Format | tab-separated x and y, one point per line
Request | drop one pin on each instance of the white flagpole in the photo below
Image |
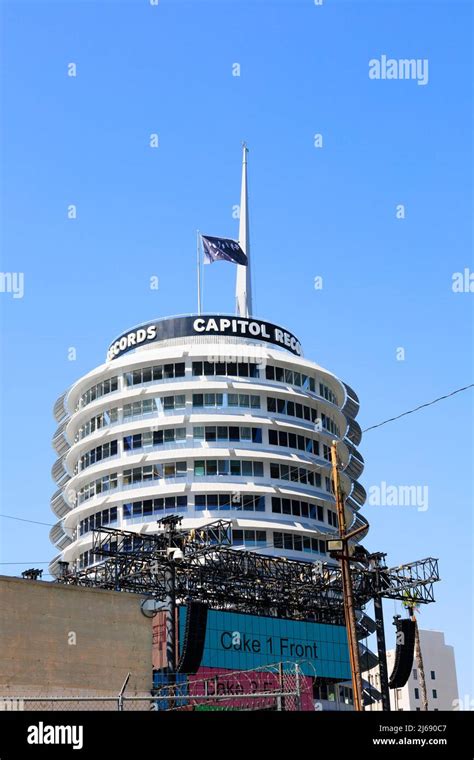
243	285
198	262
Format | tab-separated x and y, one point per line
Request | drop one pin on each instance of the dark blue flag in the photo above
222	249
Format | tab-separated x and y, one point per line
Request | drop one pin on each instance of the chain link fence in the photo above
280	687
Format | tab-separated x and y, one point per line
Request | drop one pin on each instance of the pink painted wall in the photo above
236	683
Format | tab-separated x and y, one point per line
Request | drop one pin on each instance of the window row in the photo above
101	389
227	433
228	467
237	501
293	441
107	417
295	474
96	487
213	433
202	369
292	409
302	412
219	400
296	543
302	509
148	507
154	373
297	508
329	424
144	508
249	538
95	455
153	406
225	369
283	375
104	517
327	393
151	472
152	438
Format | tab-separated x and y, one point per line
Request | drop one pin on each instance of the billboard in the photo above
236	641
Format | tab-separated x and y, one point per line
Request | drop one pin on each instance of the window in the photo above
226	369
249	537
288	376
288	440
243	400
140	408
150	507
104	517
152	472
433	675
327	393
108	417
235	501
295	474
101	389
297	543
417	693
415	675
198	433
435	694
224	433
154	373
211	467
95	455
291	409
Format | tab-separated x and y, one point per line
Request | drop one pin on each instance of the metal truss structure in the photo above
207	568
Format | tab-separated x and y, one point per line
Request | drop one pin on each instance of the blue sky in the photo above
330	212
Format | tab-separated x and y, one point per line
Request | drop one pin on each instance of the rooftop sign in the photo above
179	327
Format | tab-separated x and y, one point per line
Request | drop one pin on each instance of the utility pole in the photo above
347	591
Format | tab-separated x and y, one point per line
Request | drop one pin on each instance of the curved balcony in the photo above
354	431
58	536
351	406
58	504
59	409
355	467
358	493
60	442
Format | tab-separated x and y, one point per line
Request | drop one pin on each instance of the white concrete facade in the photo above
440	677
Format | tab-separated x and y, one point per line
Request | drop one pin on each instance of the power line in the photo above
23	519
422	406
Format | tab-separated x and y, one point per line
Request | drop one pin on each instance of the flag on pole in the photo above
222	249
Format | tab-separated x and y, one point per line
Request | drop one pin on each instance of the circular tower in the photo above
208	417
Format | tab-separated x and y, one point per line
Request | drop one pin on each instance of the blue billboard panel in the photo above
236	641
